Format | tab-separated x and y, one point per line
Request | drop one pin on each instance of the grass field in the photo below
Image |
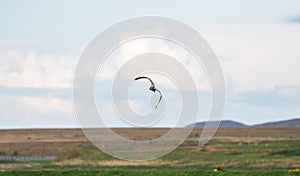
235	151
121	172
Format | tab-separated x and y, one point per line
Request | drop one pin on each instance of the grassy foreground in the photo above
118	172
236	151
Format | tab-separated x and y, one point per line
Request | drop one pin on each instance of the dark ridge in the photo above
231	123
283	123
223	123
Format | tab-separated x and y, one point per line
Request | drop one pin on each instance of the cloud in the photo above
30	68
35	86
256	56
260	61
18	43
259	106
262	56
62	93
140	46
25	111
279	97
294	19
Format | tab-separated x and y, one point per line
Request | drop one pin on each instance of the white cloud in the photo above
30	68
256	56
145	45
33	85
35	111
42	106
14	43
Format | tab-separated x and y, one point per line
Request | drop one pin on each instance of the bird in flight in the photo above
152	87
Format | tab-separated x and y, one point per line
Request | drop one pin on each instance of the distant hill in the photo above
284	123
231	123
223	123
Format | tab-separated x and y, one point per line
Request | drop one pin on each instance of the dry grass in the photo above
238	148
57	141
14	166
156	162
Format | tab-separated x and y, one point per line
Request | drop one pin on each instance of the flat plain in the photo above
232	151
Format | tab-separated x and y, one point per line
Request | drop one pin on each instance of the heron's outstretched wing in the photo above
159	98
153	85
144	77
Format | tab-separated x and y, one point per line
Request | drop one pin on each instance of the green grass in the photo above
272	155
118	172
287	153
262	156
85	153
40	162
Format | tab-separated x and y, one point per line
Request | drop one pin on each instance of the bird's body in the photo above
152	87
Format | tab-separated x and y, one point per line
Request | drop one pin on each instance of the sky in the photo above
257	44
